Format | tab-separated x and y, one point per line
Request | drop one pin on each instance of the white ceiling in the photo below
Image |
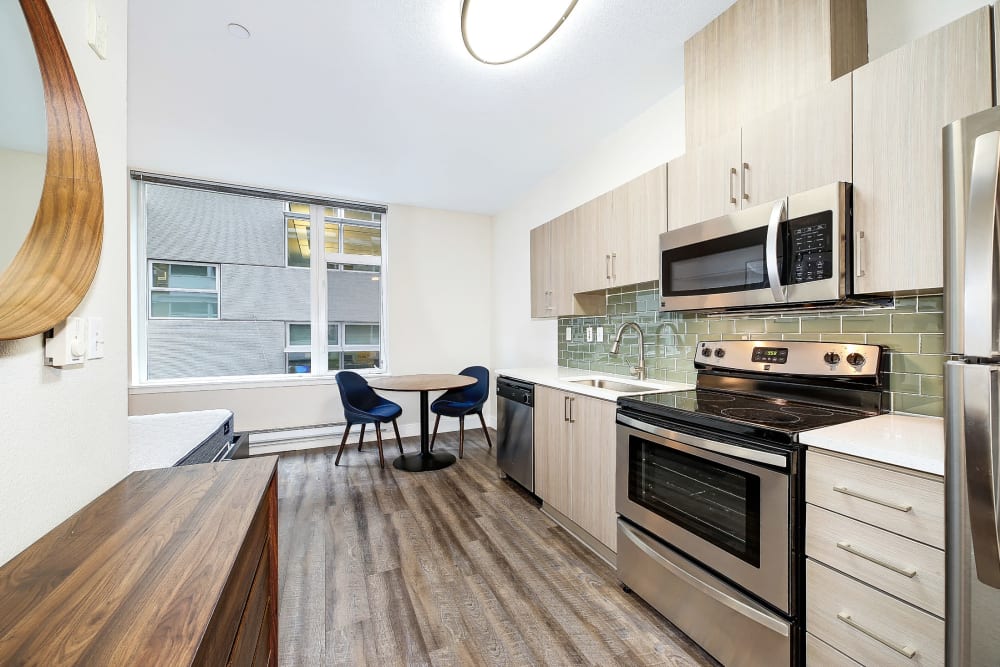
378	100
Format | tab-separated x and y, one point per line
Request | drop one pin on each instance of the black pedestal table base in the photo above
425	459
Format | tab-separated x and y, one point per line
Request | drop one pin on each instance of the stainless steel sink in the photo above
611	385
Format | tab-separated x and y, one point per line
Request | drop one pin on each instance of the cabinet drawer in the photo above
251	624
821	654
899	566
865	624
909	505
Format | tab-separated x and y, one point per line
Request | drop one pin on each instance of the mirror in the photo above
22	131
47	261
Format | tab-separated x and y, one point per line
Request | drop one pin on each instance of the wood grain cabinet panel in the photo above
552	474
901	102
541	271
589	252
168	567
639	216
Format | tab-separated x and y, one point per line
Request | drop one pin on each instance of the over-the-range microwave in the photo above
791	252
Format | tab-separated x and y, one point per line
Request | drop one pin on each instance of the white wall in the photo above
652	138
63	433
438	277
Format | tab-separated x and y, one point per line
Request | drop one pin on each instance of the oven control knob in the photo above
831	358
719	352
706	351
856	360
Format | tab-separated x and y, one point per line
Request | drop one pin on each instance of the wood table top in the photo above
424	382
133	577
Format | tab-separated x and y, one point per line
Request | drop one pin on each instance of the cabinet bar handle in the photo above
614	271
571	420
900	569
743	181
732	186
607	266
565	408
898	648
885	503
859	271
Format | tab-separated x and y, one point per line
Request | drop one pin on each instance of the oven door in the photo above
724	505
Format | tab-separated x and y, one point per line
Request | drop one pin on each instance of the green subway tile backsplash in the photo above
911	329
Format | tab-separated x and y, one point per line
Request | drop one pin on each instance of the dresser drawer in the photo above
906	569
909	505
868	625
821	654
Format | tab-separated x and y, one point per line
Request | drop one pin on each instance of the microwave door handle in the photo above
979	413
980	230
771	252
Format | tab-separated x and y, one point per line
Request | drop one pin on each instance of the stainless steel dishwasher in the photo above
516	430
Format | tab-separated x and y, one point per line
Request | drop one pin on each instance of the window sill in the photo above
250	382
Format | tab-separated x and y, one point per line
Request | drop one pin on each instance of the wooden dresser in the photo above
169	567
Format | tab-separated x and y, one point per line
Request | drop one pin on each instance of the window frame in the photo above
151	288
139	299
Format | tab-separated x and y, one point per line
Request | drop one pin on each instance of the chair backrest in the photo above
354	392
478	392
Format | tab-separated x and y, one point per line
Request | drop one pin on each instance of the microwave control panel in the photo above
811	240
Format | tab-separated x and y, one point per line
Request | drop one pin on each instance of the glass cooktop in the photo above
707	407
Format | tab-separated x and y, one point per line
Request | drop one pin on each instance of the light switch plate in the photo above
590	334
600	334
95	337
569	334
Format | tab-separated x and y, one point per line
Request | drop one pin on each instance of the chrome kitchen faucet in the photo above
639	371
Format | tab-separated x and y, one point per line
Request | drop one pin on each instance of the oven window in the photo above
718	503
732	263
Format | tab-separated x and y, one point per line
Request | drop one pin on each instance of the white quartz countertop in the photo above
559	377
907	441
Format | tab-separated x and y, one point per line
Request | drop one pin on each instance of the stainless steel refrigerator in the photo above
972	390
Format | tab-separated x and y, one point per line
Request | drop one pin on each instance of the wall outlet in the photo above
600	334
590	334
569	334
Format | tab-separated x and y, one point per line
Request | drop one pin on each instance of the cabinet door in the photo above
681	182
541	271
901	102
590	245
803	145
717	184
593	468
552	478
639	217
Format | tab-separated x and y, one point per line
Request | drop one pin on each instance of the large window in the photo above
235	283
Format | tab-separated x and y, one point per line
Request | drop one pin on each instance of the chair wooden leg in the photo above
378	437
461	436
343	443
434	437
486	431
361	440
399	441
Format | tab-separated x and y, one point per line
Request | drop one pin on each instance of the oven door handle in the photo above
734	451
778	290
707	589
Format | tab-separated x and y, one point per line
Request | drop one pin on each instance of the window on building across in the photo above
187	291
203	246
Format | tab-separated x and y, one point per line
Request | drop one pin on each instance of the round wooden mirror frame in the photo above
55	266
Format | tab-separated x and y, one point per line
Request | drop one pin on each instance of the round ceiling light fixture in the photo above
497	32
238	31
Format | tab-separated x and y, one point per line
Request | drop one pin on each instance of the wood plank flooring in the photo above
452	567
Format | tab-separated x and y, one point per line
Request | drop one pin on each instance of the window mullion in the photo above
318	290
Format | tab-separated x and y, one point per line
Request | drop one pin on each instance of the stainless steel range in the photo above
709	489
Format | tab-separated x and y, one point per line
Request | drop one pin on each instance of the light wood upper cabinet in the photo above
704	183
541	271
804	145
639	217
589	251
760	54
901	102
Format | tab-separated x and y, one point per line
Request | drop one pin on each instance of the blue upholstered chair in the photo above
465	401
363	406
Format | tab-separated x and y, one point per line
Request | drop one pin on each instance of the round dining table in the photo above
425	459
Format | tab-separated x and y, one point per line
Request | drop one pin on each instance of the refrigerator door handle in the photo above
979	416
980	263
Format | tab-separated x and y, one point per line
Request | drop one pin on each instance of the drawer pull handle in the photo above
885	503
900	569
898	648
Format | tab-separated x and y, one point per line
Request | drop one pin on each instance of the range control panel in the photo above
811	240
790	357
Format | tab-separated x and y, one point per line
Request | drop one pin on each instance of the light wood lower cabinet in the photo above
574	459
